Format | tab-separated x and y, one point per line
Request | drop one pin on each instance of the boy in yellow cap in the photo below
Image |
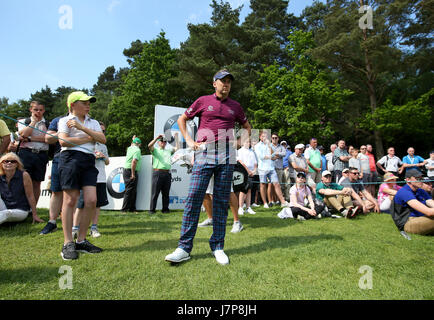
78	134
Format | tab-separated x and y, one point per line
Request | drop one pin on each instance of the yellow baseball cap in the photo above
79	96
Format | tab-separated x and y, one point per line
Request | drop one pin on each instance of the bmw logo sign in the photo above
171	126
116	184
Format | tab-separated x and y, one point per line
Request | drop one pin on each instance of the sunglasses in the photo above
354	172
9	161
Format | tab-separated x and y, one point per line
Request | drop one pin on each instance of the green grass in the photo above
271	259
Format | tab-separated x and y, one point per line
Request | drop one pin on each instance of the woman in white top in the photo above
301	202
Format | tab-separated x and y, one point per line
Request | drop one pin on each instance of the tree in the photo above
299	101
145	85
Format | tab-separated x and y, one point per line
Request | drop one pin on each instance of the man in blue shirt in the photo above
413	210
412	162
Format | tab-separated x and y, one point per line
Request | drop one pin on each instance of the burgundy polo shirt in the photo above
215	114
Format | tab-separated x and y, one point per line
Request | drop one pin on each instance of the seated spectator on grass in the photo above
301	202
427	186
335	196
16	191
387	191
361	197
410	211
345	175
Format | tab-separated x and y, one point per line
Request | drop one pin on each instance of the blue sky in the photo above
70	42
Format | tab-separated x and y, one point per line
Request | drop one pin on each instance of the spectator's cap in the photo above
301	175
79	96
326	173
284	142
346	170
137	141
413	173
299	146
320	148
221	74
389	176
427	180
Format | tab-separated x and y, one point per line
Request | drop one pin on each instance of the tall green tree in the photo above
299	101
145	85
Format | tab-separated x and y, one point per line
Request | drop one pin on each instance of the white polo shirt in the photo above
75	133
392	164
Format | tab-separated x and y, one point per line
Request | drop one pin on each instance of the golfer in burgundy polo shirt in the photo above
214	156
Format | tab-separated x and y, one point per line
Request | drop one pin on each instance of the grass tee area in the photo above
271	259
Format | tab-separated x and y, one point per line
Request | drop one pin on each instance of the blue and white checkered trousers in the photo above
203	169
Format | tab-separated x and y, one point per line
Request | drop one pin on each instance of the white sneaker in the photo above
206	223
237	227
334	216
266	206
94	233
250	210
177	256
240	211
285	204
221	257
345	213
244	206
254	205
301	218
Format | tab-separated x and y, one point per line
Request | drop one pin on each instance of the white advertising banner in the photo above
165	123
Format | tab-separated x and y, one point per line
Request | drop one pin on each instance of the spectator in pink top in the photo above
387	191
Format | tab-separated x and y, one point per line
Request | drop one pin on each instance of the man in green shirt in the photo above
161	176
335	196
132	166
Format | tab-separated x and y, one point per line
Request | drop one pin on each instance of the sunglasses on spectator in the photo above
354	172
9	161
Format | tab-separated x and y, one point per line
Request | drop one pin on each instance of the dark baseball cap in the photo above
413	173
221	74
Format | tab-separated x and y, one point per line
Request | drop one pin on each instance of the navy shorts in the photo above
55	177
77	170
101	196
34	163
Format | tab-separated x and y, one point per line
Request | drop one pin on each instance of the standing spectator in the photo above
217	112
387	191
410	212
373	170
390	163
78	134
361	197
101	160
329	158
5	137
335	196
56	198
355	162
365	170
255	181
288	170
161	175
267	174
297	161
133	162
279	152
313	159
33	149
247	158
16	193
430	165
323	159
340	159
413	162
